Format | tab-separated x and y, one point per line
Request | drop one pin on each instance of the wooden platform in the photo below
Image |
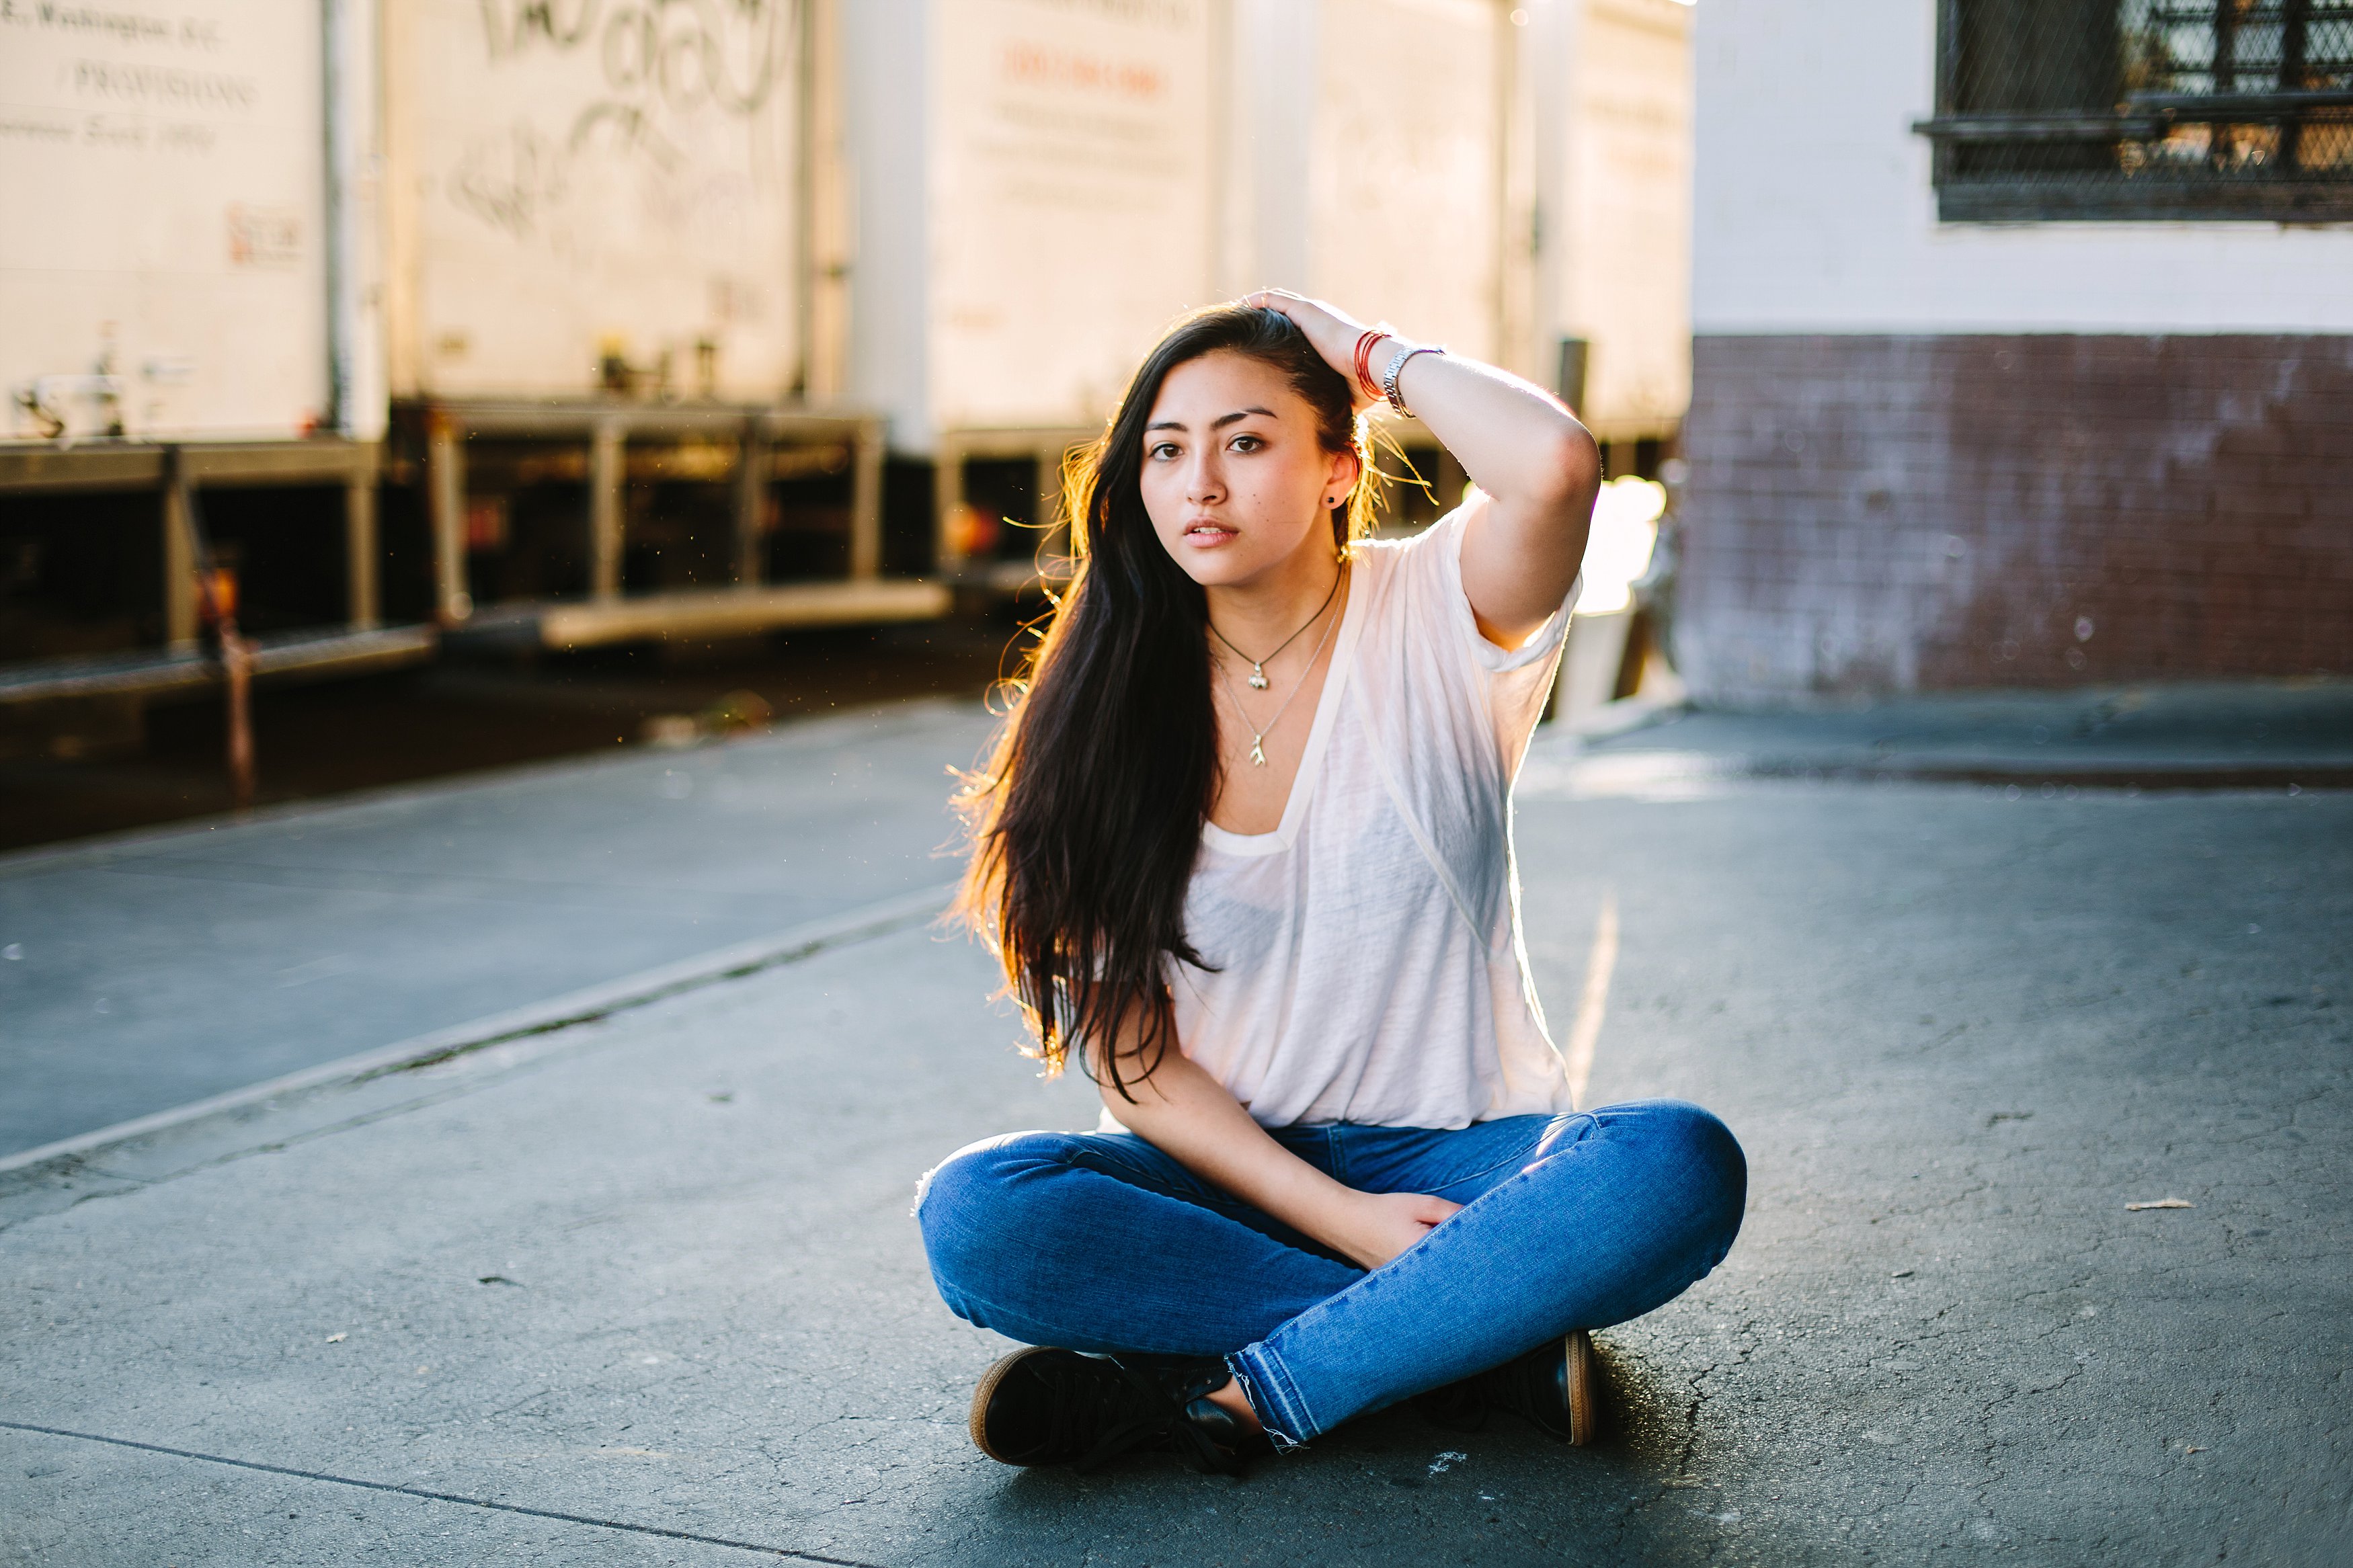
717	613
161	673
108	465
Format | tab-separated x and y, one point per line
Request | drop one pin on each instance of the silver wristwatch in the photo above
1397	368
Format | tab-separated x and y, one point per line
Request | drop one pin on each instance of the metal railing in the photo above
2158	109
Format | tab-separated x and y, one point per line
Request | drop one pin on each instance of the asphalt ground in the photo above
146	971
652	1280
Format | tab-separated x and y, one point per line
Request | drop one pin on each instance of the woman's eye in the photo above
1164	451
1246	444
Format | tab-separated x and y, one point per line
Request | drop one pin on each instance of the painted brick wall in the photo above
1910	512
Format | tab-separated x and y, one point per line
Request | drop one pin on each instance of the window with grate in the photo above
2143	109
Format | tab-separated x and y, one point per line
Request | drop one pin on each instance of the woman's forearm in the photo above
1186	1113
1189	1115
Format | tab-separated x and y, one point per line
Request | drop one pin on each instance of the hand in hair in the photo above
1535	465
1333	331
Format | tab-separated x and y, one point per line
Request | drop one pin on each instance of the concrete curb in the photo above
815	731
2102	774
582	1006
1621	717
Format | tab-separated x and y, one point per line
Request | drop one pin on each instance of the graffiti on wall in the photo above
599	188
642	79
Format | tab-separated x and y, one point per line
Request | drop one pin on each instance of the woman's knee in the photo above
1702	1161
1687	1165
968	1202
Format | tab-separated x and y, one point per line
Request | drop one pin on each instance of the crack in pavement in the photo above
457	1498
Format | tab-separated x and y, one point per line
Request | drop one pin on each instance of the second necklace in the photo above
1257	679
1258	666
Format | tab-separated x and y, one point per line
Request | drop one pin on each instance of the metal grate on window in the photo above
2156	109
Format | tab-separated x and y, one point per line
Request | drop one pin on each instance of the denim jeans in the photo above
1100	1242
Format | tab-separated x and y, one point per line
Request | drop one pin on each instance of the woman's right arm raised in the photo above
1181	1110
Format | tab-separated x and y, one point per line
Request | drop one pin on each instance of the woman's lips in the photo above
1203	534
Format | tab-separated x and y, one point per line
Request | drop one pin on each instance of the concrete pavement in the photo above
155	969
656	1270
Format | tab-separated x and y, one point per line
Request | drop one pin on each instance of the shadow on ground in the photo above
1386	1487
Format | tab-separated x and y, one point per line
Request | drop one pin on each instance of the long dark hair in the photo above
1085	820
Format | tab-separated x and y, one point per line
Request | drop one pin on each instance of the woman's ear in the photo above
1347	468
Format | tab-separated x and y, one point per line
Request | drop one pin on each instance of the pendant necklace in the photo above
1258	666
1258	736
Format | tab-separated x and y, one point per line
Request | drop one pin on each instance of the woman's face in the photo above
1235	480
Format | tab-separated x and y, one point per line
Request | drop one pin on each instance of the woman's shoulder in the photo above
1434	551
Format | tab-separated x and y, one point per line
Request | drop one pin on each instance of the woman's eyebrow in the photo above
1219	423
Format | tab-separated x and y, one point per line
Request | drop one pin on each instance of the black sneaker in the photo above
1042	1406
1556	1387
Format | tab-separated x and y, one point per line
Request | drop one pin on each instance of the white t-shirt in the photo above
1366	963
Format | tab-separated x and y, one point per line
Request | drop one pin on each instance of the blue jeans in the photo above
1100	1242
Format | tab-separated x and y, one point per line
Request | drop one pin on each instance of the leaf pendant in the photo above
1258	678
1258	753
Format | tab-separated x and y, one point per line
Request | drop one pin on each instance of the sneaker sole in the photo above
977	1425
1583	1378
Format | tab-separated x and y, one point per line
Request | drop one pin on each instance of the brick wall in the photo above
1895	514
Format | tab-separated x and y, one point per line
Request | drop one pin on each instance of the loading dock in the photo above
603	447
974	551
174	475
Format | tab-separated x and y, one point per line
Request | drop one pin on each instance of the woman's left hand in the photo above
1373	1228
1331	330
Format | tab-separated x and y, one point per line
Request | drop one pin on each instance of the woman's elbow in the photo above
1566	472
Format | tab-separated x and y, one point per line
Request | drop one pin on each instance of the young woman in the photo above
1244	846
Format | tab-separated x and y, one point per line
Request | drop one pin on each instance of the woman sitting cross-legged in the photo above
1244	846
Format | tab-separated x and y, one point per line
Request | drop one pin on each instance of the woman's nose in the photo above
1204	482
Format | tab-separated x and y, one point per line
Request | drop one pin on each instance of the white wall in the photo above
1073	210
1621	253
887	94
1024	236
355	218
1269	50
1404	188
163	175
1042	186
1815	211
1610	90
1035	200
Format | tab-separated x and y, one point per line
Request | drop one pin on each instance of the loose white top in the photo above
1364	959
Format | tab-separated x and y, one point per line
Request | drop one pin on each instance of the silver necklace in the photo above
1258	736
1258	666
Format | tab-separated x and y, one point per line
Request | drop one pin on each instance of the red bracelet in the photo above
1365	341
